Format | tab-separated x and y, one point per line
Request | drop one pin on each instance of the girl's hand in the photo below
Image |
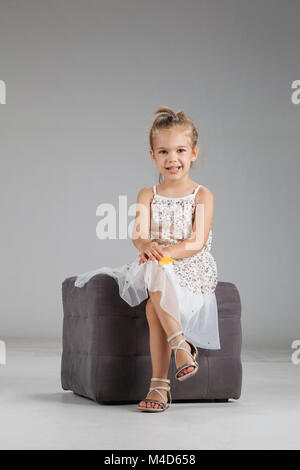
143	259
151	251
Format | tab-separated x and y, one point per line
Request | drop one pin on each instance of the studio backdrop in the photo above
79	85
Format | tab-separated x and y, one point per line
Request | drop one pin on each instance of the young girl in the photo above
174	220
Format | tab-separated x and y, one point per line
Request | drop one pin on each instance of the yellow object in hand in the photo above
165	260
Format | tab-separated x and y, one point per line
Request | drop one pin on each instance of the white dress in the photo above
187	284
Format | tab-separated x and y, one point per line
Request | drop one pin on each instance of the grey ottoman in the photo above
106	354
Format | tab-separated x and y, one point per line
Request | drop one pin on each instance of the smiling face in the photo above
173	153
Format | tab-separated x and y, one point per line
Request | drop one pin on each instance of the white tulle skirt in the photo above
196	313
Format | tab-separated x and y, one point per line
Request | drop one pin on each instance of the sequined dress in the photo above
187	284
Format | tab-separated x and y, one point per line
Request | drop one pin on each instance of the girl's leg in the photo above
160	354
170	326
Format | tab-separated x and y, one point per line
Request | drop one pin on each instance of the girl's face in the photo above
173	153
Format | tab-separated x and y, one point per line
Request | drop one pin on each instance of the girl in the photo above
173	223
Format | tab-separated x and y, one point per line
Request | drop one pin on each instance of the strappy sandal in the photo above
193	354
164	405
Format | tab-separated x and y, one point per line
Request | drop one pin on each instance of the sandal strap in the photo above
177	346
182	340
174	335
183	349
160	387
156	390
191	364
161	380
152	400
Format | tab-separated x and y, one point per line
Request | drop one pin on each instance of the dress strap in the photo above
196	190
154	189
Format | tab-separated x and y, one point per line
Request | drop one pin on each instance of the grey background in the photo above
83	79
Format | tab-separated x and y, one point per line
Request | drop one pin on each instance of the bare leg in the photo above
160	354
170	326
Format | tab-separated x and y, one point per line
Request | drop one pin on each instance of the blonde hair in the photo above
168	119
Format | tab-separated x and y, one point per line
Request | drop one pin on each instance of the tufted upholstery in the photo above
106	354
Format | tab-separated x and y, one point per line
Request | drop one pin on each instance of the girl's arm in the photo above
201	227
141	228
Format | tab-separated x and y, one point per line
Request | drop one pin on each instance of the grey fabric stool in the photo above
106	354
